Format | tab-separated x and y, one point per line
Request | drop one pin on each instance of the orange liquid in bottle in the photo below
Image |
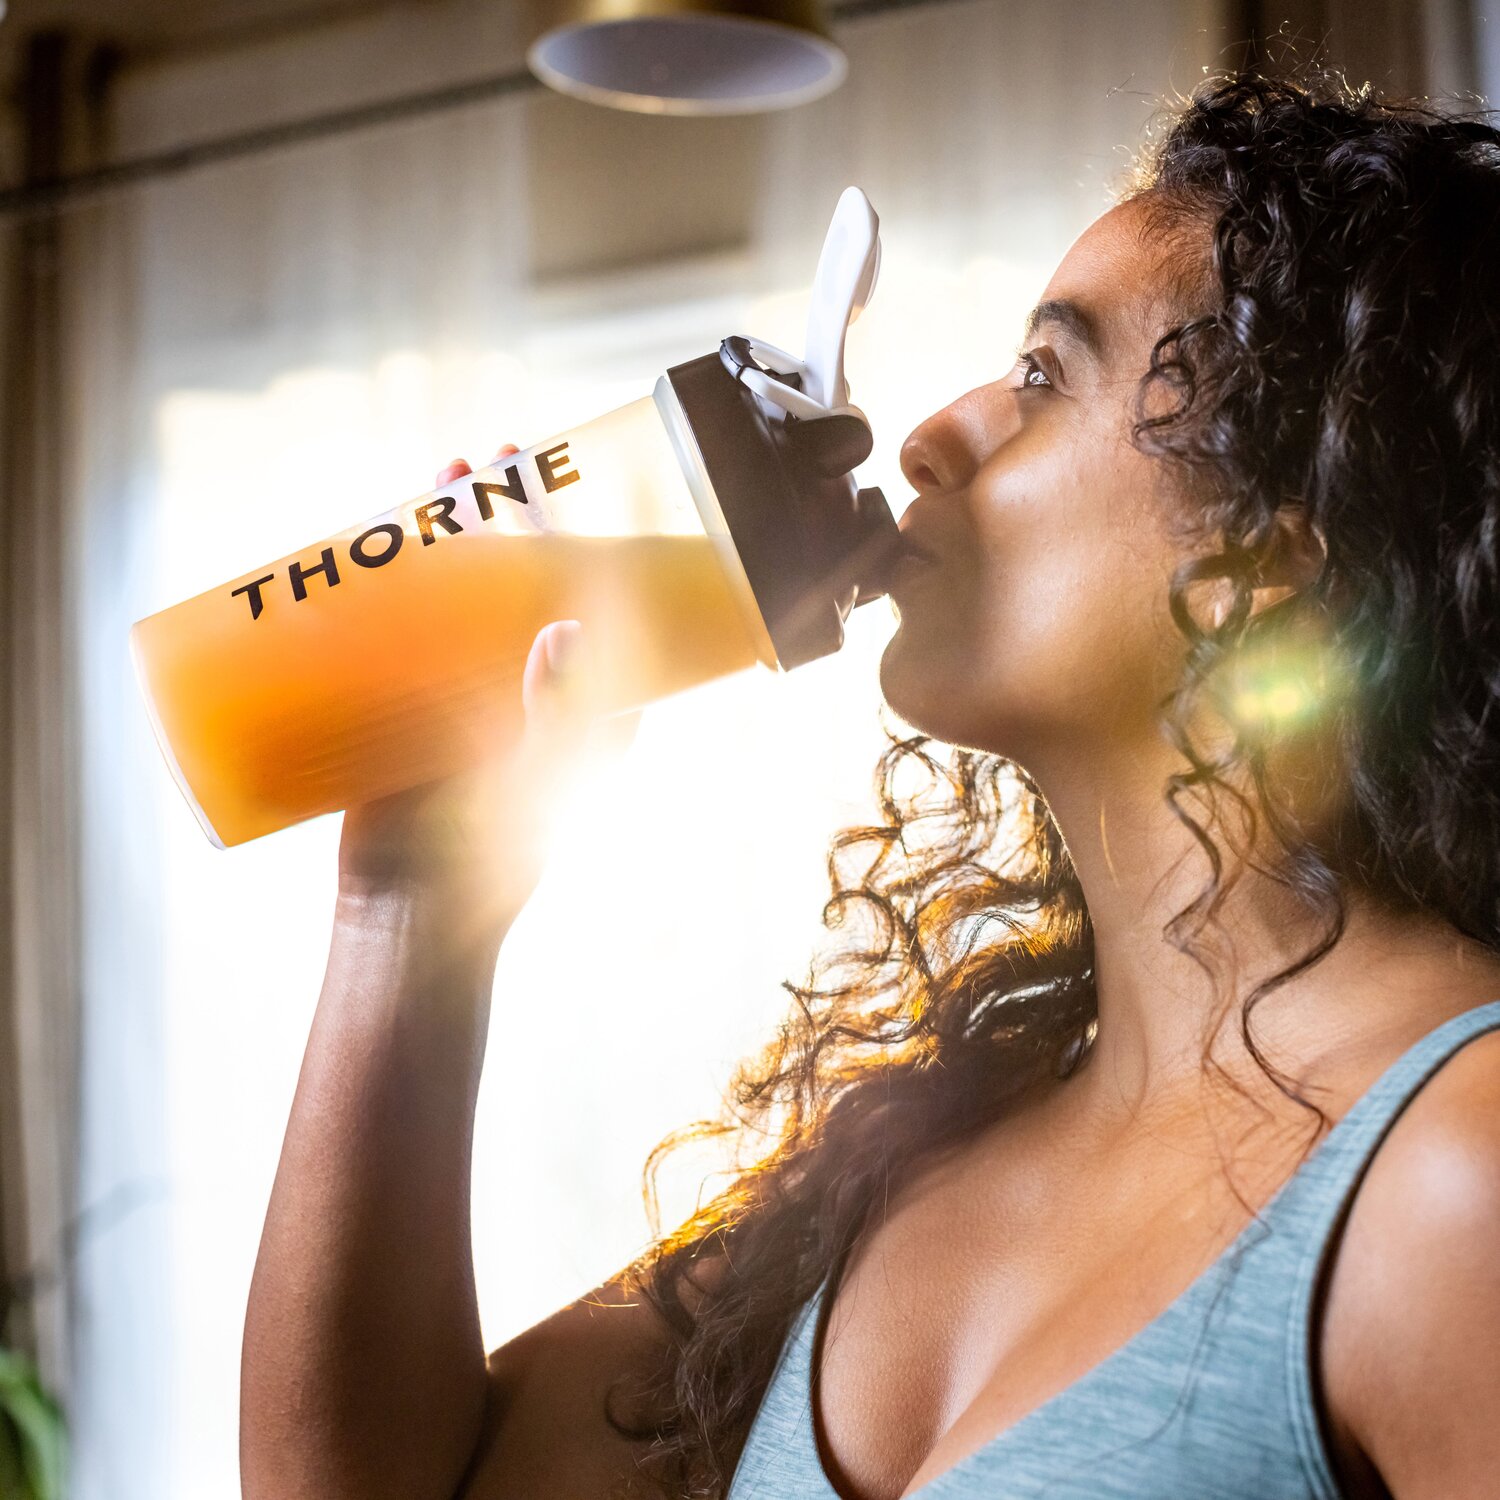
404	672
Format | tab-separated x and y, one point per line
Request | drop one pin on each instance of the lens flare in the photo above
1284	683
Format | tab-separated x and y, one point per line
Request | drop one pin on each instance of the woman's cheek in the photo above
1060	637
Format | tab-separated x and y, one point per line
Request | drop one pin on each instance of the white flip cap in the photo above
847	271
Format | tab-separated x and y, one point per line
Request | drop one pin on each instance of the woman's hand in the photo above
478	837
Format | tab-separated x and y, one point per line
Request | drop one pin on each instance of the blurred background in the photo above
267	264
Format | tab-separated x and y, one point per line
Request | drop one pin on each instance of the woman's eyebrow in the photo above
1070	319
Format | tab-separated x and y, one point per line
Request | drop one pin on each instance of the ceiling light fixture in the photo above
686	57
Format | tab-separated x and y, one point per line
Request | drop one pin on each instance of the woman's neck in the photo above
1388	980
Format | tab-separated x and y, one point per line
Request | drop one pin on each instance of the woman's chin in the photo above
941	700
914	690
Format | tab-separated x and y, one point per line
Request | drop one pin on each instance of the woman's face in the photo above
1041	617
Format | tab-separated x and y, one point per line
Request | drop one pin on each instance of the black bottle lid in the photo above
813	545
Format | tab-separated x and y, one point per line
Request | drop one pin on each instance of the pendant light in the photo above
686	57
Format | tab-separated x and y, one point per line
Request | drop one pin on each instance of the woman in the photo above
1147	1141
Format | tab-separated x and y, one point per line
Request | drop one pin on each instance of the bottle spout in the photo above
879	547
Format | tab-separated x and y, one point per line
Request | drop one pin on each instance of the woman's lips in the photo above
912	543
910	563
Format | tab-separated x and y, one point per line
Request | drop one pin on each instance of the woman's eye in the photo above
1032	373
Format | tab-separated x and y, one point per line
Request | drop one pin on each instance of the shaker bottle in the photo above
710	525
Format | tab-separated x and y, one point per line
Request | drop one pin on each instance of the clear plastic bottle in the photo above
696	531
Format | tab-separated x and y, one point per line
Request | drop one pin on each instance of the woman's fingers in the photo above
547	679
460	466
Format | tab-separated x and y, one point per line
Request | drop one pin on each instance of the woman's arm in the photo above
1410	1344
363	1372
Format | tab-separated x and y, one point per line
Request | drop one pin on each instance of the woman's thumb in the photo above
551	686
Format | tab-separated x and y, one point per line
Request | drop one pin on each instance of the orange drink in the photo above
686	531
413	671
392	653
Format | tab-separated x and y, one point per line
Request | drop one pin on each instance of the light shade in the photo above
687	57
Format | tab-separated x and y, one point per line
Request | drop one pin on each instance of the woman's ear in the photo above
1292	561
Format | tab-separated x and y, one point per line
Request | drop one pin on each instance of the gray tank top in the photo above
1213	1399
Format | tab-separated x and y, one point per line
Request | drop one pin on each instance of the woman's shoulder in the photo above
1411	1323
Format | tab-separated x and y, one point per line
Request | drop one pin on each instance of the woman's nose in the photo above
935	455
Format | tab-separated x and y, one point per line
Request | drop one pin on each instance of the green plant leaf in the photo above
13	1481
34	1430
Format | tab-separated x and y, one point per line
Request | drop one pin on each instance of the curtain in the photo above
39	801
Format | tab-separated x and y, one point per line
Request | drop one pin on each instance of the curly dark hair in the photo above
1335	355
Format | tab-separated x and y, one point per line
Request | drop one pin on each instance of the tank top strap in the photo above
1316	1201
